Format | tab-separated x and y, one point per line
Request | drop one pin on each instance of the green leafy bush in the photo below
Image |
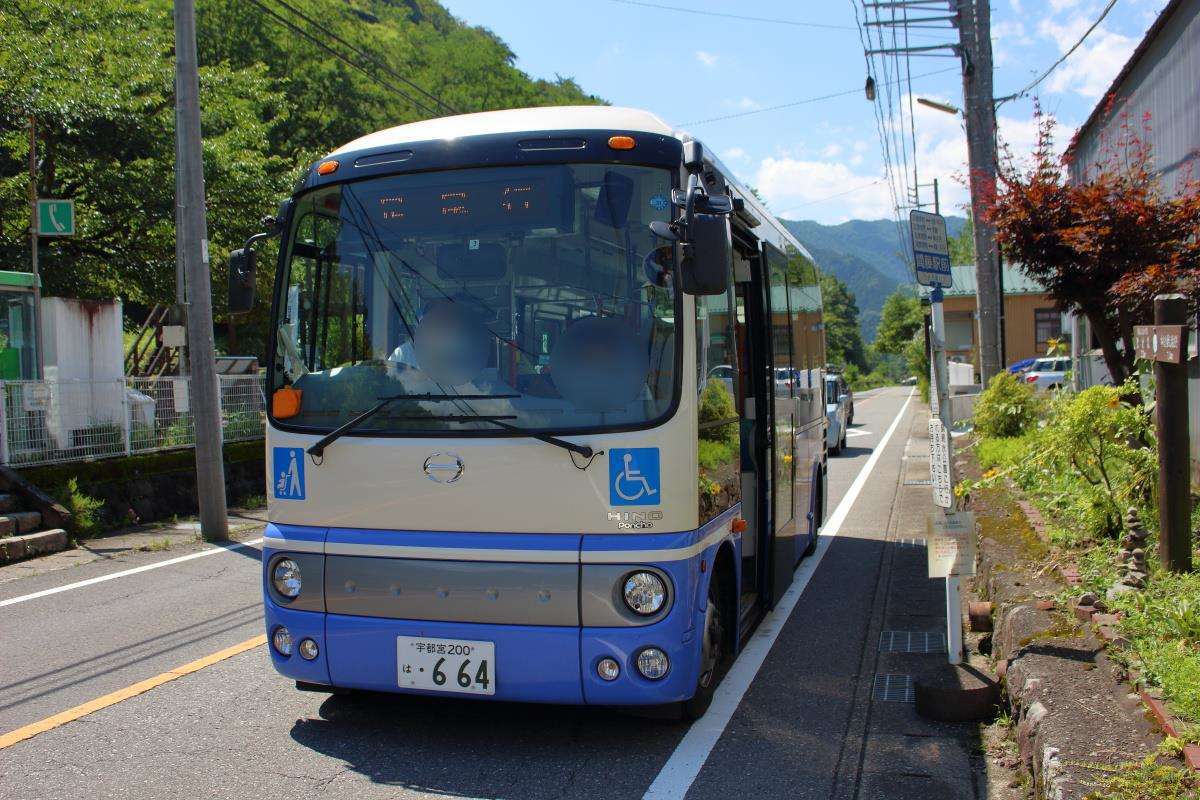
84	522
716	405
1006	408
1091	462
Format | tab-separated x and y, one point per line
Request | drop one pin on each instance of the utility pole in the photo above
189	166
975	42
33	245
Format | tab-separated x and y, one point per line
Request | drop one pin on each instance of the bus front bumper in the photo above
548	663
539	664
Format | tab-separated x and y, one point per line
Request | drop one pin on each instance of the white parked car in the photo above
839	411
1048	373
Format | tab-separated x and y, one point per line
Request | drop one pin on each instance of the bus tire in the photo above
714	650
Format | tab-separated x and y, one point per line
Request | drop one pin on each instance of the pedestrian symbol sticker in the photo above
633	476
289	473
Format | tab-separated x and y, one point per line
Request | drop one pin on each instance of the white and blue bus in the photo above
546	418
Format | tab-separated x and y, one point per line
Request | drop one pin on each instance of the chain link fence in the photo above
48	422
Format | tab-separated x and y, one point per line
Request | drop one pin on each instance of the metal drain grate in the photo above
919	482
912	642
910	542
893	688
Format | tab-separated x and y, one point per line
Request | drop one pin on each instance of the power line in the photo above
1064	57
341	57
794	103
875	182
742	17
369	56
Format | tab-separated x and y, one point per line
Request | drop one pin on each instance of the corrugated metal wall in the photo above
1164	84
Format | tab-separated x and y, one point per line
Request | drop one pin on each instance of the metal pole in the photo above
210	473
1174	461
954	645
937	204
980	114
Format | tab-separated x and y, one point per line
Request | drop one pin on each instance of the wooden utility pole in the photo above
34	266
975	43
1171	424
189	165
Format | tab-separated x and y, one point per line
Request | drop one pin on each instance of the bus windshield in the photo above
537	290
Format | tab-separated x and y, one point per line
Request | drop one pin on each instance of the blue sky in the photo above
819	160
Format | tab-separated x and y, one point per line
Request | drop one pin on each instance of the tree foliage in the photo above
843	339
97	80
899	322
962	246
1105	246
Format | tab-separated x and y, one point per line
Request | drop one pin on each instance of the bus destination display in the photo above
500	205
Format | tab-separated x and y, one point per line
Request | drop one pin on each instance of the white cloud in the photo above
798	188
1091	68
831	151
1062	5
706	58
736	154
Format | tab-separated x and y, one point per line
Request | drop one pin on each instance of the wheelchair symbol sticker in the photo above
633	476
288	471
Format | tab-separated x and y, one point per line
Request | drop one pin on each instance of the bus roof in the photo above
546	118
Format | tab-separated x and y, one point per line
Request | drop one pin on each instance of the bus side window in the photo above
718	378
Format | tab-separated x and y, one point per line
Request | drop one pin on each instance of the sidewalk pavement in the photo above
177	537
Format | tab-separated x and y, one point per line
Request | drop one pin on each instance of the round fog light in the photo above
608	669
282	641
308	649
653	663
645	593
285	577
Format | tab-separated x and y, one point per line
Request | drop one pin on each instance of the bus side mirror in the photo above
707	255
241	280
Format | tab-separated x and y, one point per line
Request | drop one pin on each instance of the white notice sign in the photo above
950	543
934	407
939	464
931	248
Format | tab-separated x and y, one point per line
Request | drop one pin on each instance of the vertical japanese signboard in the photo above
939	464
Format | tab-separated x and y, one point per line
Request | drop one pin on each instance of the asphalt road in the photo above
805	725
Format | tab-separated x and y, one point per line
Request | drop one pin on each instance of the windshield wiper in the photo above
581	449
318	449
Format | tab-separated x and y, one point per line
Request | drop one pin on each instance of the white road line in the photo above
223	548
681	769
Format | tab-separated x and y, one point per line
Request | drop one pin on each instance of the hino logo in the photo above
634	520
443	467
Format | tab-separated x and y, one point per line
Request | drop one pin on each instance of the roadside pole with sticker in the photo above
288	471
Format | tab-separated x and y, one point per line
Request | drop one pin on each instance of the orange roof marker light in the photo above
621	142
327	168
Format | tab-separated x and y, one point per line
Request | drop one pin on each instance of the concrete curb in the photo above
1070	710
15	548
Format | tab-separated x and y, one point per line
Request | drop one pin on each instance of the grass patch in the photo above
712	454
1002	452
1143	780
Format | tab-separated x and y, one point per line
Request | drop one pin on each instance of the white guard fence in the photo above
47	422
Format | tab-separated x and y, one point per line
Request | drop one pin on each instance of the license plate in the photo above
446	665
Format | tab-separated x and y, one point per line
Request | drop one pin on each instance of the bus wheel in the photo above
714	652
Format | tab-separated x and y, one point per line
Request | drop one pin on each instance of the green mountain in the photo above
866	255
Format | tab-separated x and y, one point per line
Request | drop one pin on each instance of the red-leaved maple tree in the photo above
1104	247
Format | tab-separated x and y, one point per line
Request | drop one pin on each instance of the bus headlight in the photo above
285	577
645	593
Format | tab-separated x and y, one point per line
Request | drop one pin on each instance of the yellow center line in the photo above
120	695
